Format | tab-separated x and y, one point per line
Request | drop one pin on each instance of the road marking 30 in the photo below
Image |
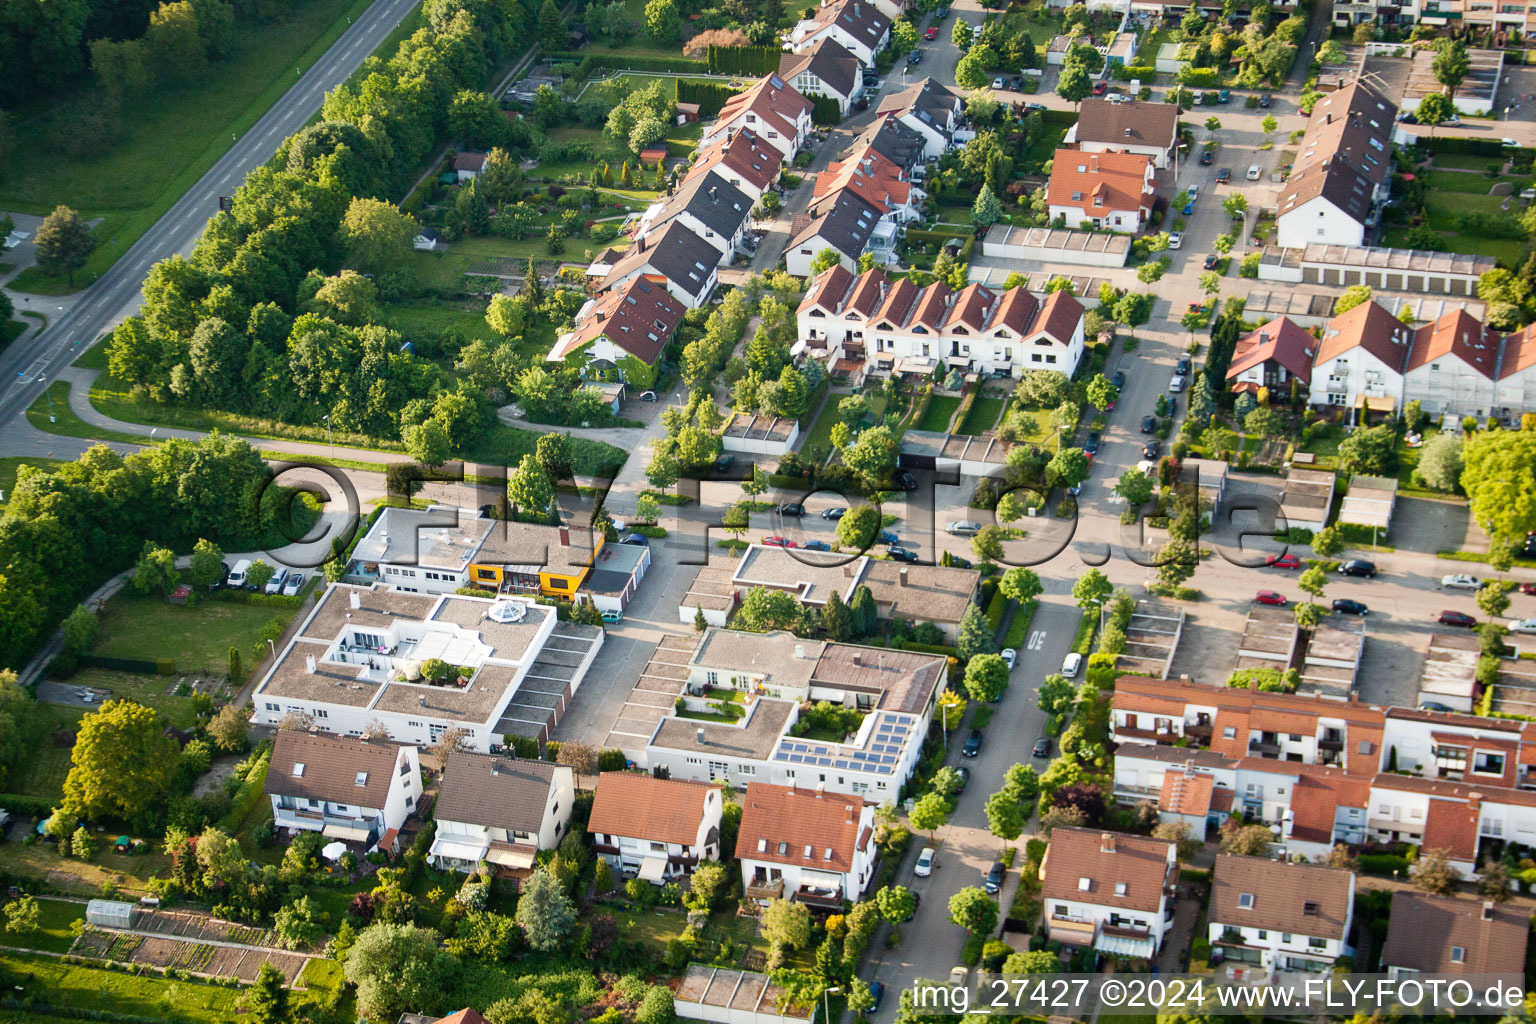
1036	640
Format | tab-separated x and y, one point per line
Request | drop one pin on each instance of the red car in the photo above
1285	561
779	542
1461	619
1270	597
1528	588
1100	88
932	33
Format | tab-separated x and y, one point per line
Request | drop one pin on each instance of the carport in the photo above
551	681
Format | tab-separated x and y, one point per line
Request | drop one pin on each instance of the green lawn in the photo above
144	626
940	411
983	415
152	691
1443	212
170	138
10	463
42	773
94	989
1465	161
1044	148
1460	181
55	918
51	414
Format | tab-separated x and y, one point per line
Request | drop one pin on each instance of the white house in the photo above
931	110
685	263
826	69
894	326
502	810
1360	361
1273	356
1131	127
654	829
1342	172
743	159
805	845
1452	367
709	206
1280	916
420	550
877	179
1516	391
1109	890
468	165
636	319
772	109
354	667
1113	191
845	222
858	26
358	790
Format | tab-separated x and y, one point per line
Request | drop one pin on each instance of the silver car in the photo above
964	527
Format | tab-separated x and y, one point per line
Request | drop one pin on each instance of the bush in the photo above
1385	864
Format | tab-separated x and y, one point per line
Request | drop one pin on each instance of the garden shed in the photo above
109	913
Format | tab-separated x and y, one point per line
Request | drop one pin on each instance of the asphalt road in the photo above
117	294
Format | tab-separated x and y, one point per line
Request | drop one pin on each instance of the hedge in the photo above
258	597
824	110
1382	863
250	794
743	60
19	803
1144	73
710	96
628	62
1466	147
139	665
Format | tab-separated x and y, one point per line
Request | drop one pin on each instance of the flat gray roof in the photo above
753	738
442	537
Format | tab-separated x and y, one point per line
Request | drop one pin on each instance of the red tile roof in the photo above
1098	183
1452	826
1105	860
828	289
971	307
775	818
741	154
1058	316
639	317
865	297
1371	327
1423	930
1319	792
1519	352
1281	340
1460	334
1186	792
1015	311
772	99
643	807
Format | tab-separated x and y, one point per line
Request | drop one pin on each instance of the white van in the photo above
240	573
1071	665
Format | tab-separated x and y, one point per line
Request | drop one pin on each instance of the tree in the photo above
1213	124
1135	487
1020	584
1091	590
552	27
929	813
988	209
1327	542
872	458
228	728
63	243
428	442
581	758
974	635
1494	881
1434	109
896	903
1152	272
121	762
1451	65
553	453
826	259
1073	85
1349	298
986	677
296	924
1368	451
259	574
1236	205
1497	468
786	925
647	508
507	315
1245	840
662	22
544	911
1440	462
987	545
1431	872
80	628
267	999
376	236
1493	598
1314	581
207	567
23	916
972	909
837	620
1068	467
1133	309
529	488
764	610
1266	421
1035	961
961	35
1102	391
399	967
1005	815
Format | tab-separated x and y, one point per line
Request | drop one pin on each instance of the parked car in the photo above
834	513
1100	88
1148	424
956	562
1071	665
1270	597
1224	96
877	988
1210	262
791	508
647	396
1224	175
1010	657
1118	380
1461	619
1254	172
931	33
275	584
1175	384
924	866
1434	705
1285	561
776	541
636	538
1358	567
816	545
1042	747
915	57
1175	240
1207	157
1522	625
240	575
964	527
1349	606
1152	449
1459	581
888	537
906	480
999	83
972	744
724	461
1091	446
900	554
994	880
964	775
1183	366
1189	208
1264	101
293	585
1528	588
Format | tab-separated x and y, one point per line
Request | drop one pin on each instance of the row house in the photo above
1450	935
500	811
707	205
876	178
1342	171
805	845
743	159
776	112
1272	357
656	830
684	263
894	326
1111	891
827	69
931	111
858	26
1278	916
845	222
1111	191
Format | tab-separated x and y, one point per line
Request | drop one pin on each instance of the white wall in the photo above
1318	221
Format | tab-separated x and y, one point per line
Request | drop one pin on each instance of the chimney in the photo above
858	659
356	599
1106	842
699	735
1127	133
1474	801
495	767
421	701
800	651
309	663
712	197
902	575
565	536
821	790
1488	910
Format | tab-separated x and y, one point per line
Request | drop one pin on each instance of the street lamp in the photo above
44	382
328	440
826	1009
273	648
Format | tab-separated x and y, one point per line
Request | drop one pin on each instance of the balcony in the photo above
1201	731
1155	735
764	889
1326	743
821	896
1264	748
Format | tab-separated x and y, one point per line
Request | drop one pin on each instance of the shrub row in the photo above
632	62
